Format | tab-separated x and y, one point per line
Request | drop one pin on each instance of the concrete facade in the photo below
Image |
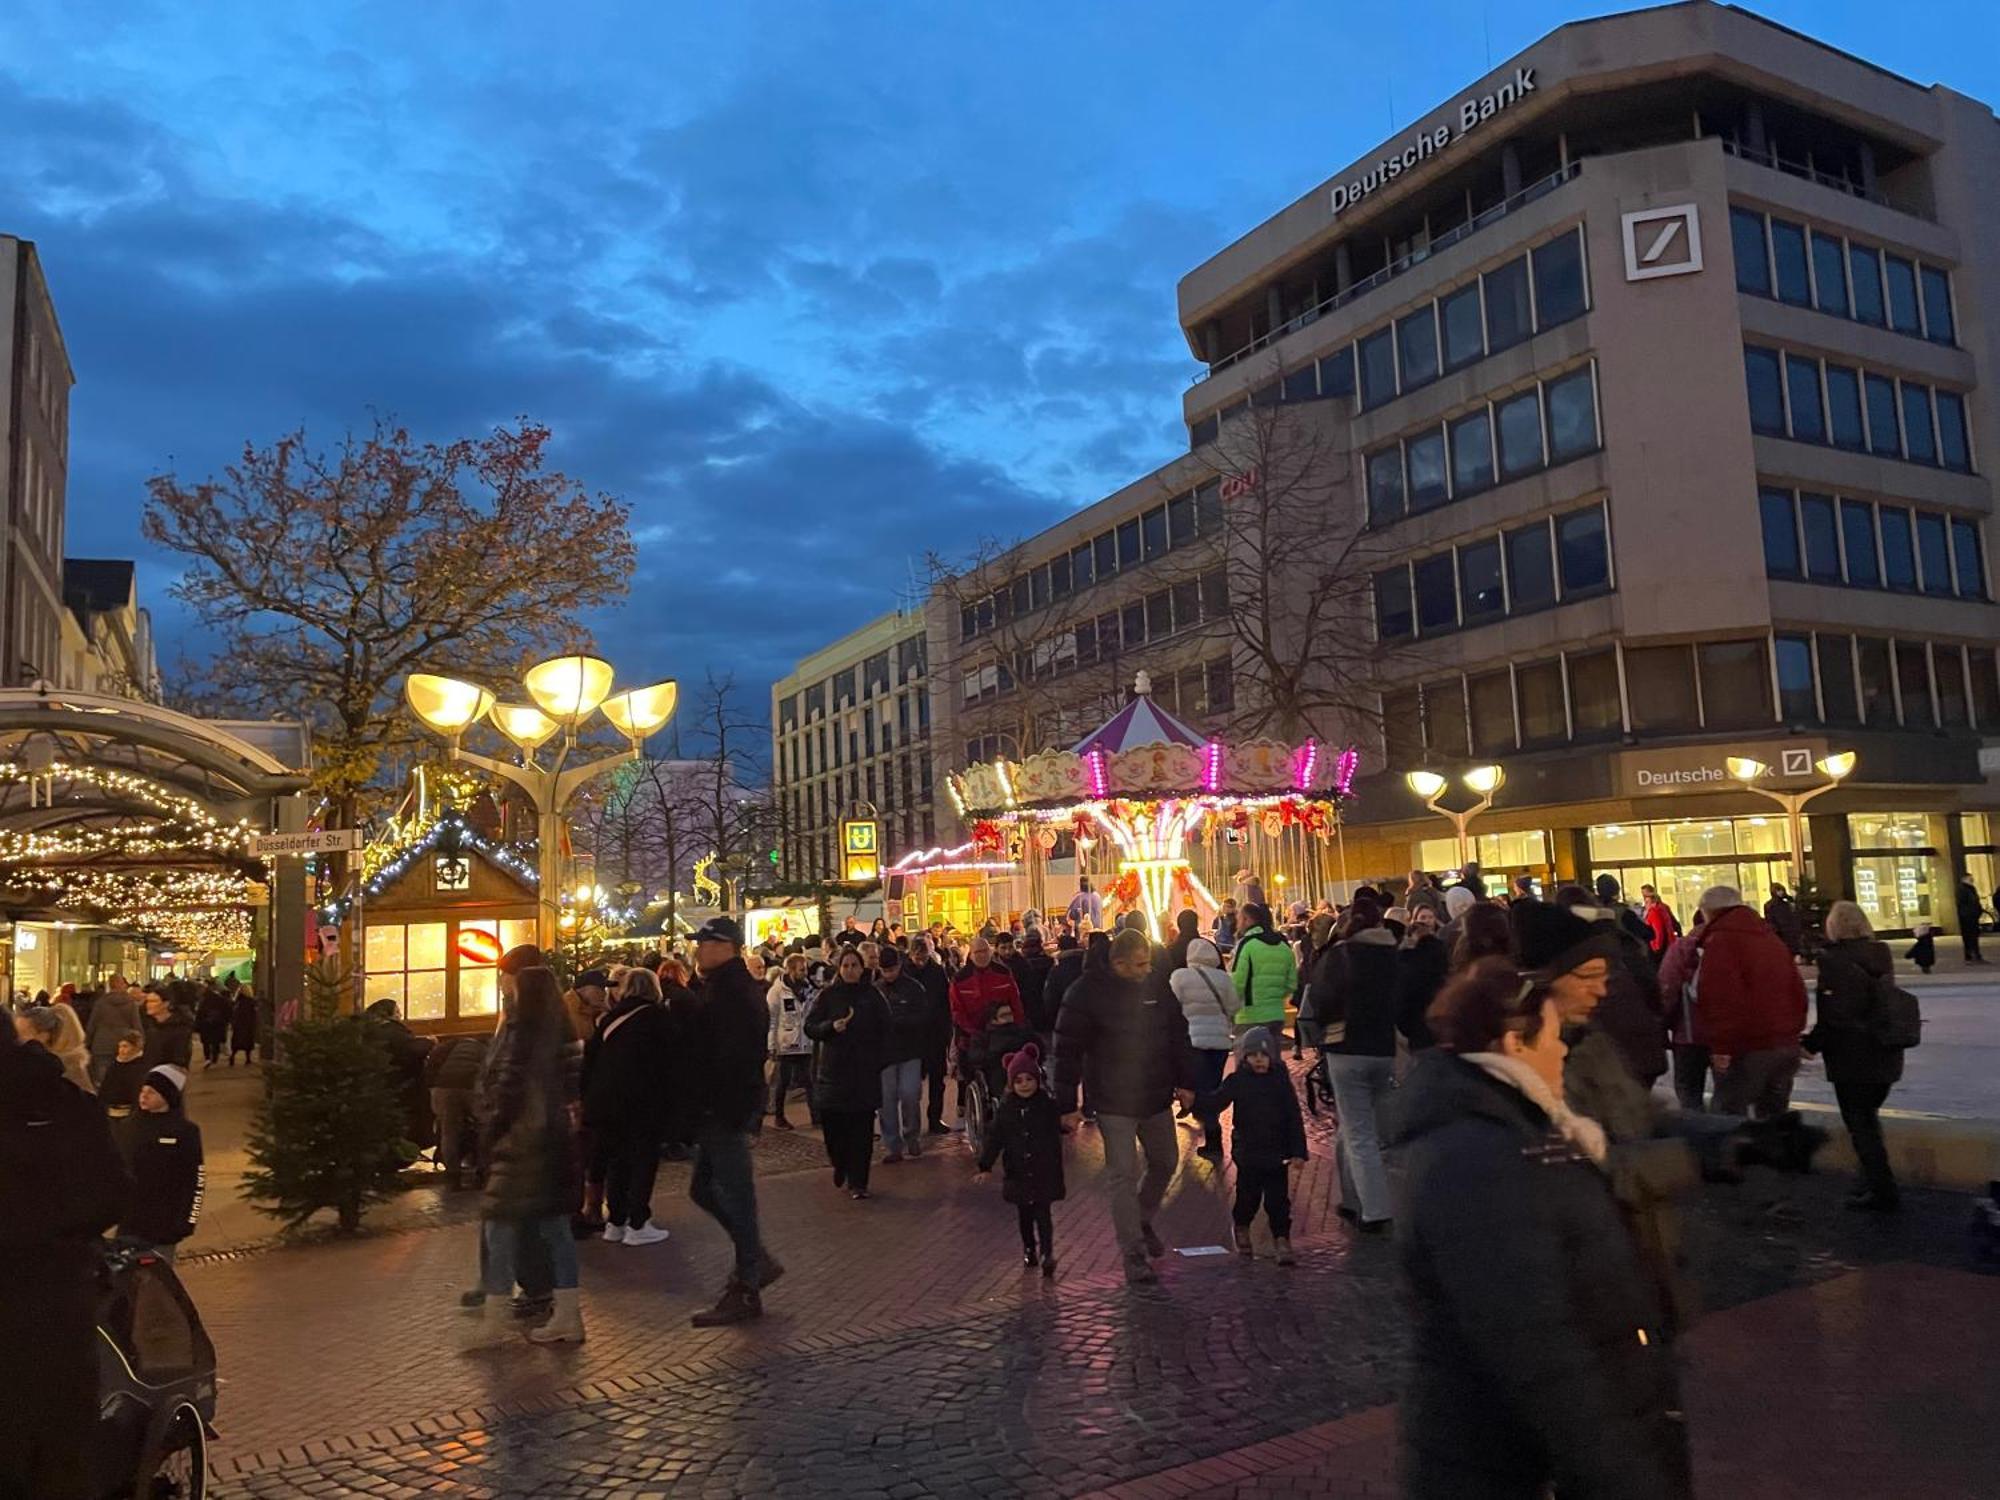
35	381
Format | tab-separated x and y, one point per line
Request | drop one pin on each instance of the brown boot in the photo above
739	1304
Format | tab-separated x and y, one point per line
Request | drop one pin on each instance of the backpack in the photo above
1898	1020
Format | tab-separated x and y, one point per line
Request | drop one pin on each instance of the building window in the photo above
1586	558
1593	694
1480	593
1509	314
1393	614
1203	430
1519	419
1444	716
1919	437
1857	535
1829	275
1884	437
1899	558
1559	292
1472	453
1153	532
1437	594
1735	684
1938	324
1985	686
1661	682
1416	343
1104	554
1464	327
1180	521
1797	703
1781	534
1538	691
1878	688
1336	372
1802	387
1822	549
1531	573
1378	367
1132	623
1953	450
1902	279
1385	485
1968	560
1159	615
1491	696
1864	268
1836	679
1221	686
1081	570
1302	384
1767	396
1753	261
1572	407
1933	553
1425	455
1215	593
1843	408
1948	668
1788	254
1913	684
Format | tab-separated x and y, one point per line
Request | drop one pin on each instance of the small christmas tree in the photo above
329	1131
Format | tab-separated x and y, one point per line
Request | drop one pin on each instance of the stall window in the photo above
478	993
1472	453
406	963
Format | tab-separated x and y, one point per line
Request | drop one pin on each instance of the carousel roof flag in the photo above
1147	781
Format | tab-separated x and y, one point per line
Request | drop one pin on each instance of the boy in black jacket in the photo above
119	1092
163	1150
1267	1139
1028	1132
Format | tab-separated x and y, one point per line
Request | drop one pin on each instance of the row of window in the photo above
1811	400
1159	616
1829	539
1842	679
1814	267
837	791
1550	561
1550	423
1151	534
1534	291
874	677
819	747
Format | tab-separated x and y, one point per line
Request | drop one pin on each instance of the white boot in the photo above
488	1326
565	1324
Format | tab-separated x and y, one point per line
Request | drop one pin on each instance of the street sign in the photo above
322	841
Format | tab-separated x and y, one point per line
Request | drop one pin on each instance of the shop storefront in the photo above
1682	857
1502	857
1899	872
416	945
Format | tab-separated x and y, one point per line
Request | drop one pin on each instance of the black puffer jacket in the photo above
1027	1136
1125	1041
625	1065
1846	1003
1265	1125
937	999
170	1041
1356	983
849	1072
730	1024
1539	1352
1425	967
909	1012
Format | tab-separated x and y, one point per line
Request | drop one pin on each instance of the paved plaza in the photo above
905	1353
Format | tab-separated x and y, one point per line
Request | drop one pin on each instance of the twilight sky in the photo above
812	285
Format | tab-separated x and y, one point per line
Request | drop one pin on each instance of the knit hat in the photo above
1027	1061
169	1082
1458	901
1259	1039
1551	940
1202	954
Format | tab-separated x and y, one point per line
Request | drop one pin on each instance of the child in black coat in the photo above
1027	1132
163	1150
1267	1139
119	1092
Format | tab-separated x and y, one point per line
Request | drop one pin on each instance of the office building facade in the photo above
1661	348
34	406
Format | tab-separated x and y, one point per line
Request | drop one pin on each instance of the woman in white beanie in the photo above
1208	1000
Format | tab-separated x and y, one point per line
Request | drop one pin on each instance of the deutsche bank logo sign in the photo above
1795	763
1662	242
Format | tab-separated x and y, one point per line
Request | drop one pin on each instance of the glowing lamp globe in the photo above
1744	768
445	704
1426	784
1485	780
569	688
1836	765
523	723
637	712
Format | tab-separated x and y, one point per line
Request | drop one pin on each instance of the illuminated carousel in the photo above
1146	797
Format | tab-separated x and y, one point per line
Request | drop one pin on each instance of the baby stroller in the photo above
156	1382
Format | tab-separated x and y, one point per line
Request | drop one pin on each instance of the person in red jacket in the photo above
1750	1007
979	984
1660	922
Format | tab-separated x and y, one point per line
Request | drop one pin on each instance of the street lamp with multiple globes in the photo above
1834	767
567	690
1482	781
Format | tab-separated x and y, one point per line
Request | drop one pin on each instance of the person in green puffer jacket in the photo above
1265	970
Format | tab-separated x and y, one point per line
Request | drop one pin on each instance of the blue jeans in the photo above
501	1244
1361	1086
902	1107
724	1189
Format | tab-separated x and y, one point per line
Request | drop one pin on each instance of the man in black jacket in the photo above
928	972
1126	1041
61	1186
625	1064
1032	966
908	1004
163	1149
731	1028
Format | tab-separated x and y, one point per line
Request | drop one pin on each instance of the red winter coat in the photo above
976	990
1660	920
1749	996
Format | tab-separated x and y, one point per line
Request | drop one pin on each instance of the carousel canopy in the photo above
1140	722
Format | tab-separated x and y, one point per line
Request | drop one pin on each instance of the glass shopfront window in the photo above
1683	857
1499	854
1981	832
1898	873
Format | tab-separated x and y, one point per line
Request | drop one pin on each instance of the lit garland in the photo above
182	823
200	932
509	857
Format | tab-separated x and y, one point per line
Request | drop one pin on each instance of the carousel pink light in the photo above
1211	766
1305	765
1097	768
1344	769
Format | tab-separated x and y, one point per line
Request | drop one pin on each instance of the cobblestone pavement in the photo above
905	1354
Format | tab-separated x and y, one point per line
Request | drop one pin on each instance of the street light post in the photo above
1835	767
567	690
1482	781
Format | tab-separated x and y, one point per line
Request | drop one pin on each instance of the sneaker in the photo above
1155	1246
614	1234
1243	1242
858	1194
1284	1255
938	1127
1029	1259
739	1304
647	1233
1138	1270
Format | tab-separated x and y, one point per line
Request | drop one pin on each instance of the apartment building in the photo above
850	725
1661	350
35	382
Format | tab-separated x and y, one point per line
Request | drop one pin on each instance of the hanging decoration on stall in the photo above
1147	781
